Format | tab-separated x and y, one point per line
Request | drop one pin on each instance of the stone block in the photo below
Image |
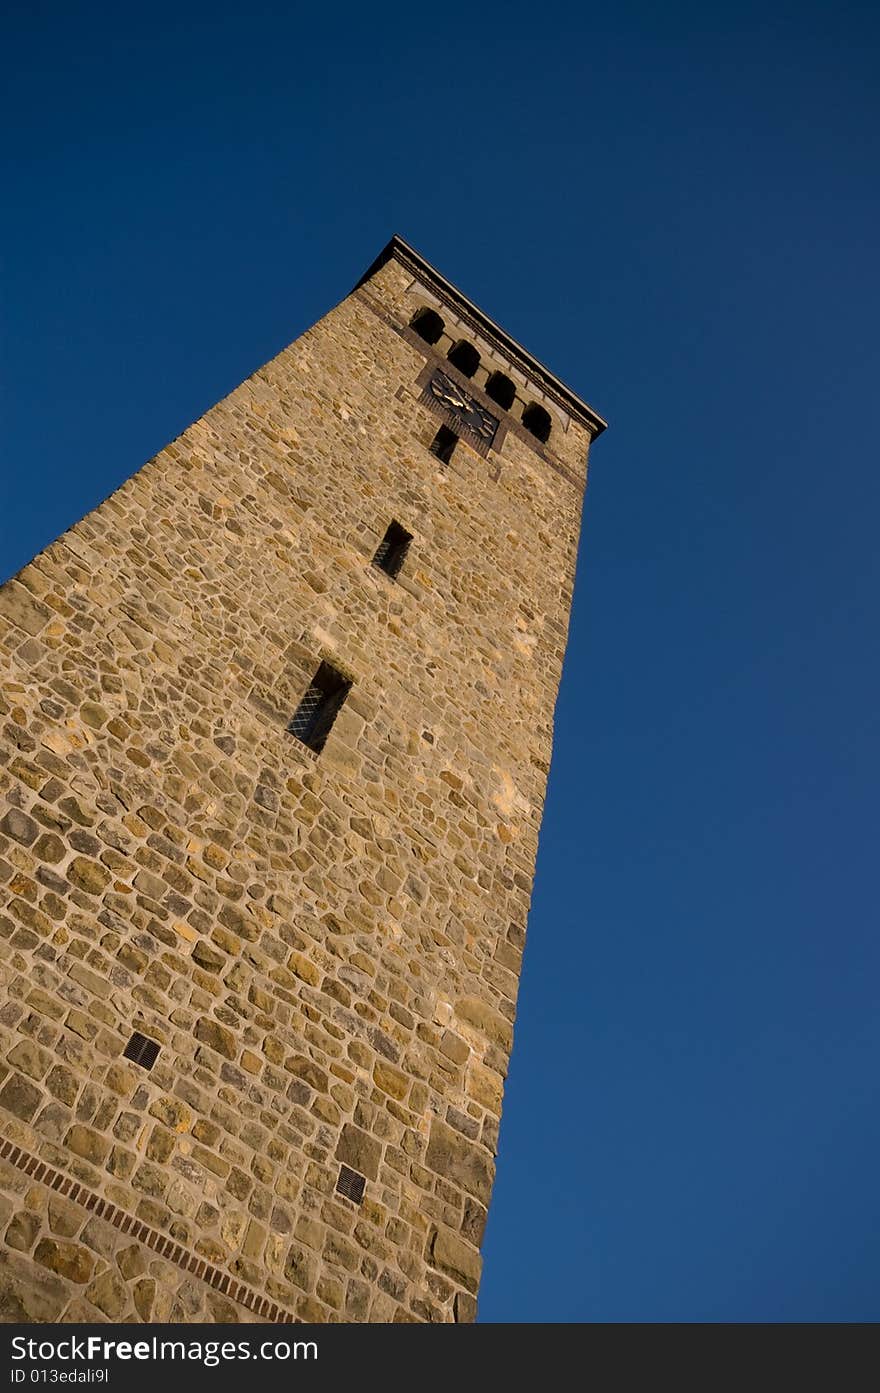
109	1293
23	1230
391	1080
448	1253
65	1218
66	1259
486	1020
20	1097
87	875
19	826
89	1144
28	1293
217	1037
30	1059
301	1267
359	1150
463	1162
20	607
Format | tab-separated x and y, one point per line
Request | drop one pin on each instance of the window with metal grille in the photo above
350	1184
319	708
443	444
392	550
141	1050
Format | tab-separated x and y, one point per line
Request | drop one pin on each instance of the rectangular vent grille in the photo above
142	1051
350	1184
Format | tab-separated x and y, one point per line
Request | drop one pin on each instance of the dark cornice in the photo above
399	250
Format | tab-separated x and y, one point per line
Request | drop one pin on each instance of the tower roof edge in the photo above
400	250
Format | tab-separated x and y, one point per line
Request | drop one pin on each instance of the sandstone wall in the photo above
327	948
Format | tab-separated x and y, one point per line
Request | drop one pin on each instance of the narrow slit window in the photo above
443	444
313	718
393	549
141	1050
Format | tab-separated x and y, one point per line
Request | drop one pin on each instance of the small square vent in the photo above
350	1184
141	1051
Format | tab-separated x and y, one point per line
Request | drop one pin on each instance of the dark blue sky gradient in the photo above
677	208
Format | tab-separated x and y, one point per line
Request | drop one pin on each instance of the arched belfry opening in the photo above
465	357
501	389
537	420
427	324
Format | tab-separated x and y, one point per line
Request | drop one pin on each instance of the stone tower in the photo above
276	726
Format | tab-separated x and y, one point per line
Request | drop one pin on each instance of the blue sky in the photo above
676	208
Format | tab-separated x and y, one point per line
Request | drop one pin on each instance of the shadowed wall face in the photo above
314	917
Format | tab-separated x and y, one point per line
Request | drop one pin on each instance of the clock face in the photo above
467	412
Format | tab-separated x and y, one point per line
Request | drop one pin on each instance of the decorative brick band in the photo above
126	1223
